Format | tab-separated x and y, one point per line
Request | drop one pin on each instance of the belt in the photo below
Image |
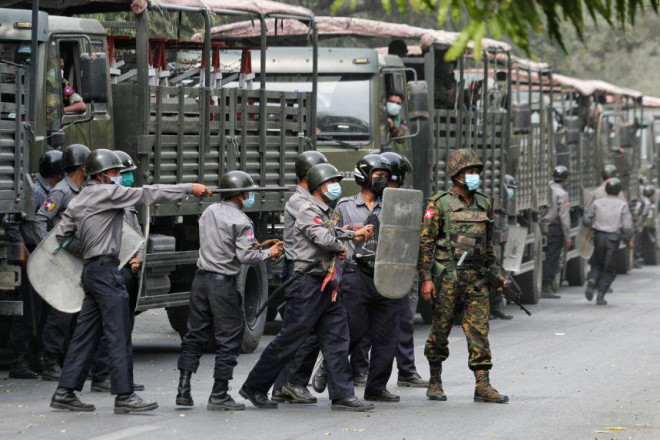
216	276
102	259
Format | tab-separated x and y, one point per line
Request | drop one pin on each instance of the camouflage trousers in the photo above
452	297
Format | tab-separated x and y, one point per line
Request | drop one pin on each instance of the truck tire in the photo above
531	282
650	248
252	284
576	271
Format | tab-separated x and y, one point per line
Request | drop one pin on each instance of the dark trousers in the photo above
552	251
603	267
25	332
299	370
371	314
105	312
405	347
57	331
360	355
215	307
308	310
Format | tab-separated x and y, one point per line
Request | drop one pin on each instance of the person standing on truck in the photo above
226	237
456	247
57	327
558	223
310	307
95	220
610	219
25	333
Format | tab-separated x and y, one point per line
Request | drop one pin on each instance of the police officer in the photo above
226	237
610	219
558	221
609	171
455	240
95	219
291	384
309	307
57	327
25	332
642	211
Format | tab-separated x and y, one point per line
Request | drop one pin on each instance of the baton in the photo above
63	245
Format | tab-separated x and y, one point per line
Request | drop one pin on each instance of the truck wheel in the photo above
650	248
576	271
252	283
531	282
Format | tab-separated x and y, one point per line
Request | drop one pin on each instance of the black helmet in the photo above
306	160
509	181
74	155
126	160
367	165
560	173
321	173
649	191
50	164
238	180
399	165
613	186
102	160
640	179
609	171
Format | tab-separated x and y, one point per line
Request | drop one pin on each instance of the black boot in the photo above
52	369
65	398
20	367
183	396
600	299
130	403
37	362
220	400
258	399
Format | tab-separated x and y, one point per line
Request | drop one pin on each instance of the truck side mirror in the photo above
57	139
522	117
94	70
418	100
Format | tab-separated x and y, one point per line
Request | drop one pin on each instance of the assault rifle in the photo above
505	290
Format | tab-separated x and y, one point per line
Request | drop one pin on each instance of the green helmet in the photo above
560	173
238	180
613	186
609	171
129	165
649	191
462	159
321	173
74	155
102	160
306	160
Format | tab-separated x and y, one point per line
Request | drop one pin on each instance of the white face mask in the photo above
393	109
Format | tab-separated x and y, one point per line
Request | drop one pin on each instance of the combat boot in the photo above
435	391
20	367
220	400
600	299
484	392
37	362
65	398
52	369
589	291
183	396
320	379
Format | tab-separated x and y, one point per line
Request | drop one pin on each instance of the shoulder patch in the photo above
318	221
428	214
49	205
439	195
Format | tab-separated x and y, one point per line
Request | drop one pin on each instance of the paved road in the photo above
573	370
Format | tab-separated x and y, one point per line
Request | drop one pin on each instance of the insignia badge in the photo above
250	235
428	214
318	221
49	205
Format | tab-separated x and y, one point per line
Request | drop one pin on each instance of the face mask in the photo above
127	179
510	192
249	202
473	181
114	180
393	109
379	184
333	191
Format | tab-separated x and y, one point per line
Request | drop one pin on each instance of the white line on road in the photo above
128	432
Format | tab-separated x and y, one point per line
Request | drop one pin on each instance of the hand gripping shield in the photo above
398	242
56	274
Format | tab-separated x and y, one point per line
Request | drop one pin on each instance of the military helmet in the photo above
613	186
50	164
74	155
560	173
367	165
609	171
509	181
238	180
102	160
462	159
126	160
306	160
649	190
399	164
321	173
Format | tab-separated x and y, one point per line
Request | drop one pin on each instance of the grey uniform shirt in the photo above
96	216
559	212
315	237
600	193
23	230
353	211
291	210
609	214
50	212
226	237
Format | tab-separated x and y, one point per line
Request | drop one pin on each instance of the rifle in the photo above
505	290
296	274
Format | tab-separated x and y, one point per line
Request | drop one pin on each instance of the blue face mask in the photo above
116	180
473	181
510	192
127	179
249	202
333	191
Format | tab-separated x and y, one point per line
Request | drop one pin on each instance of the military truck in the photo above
176	132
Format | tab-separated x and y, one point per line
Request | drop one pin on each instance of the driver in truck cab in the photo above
396	124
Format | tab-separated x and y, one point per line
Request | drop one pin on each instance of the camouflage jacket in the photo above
469	229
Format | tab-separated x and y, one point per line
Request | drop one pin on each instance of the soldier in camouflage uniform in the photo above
455	244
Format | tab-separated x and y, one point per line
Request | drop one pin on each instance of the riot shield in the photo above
56	276
514	248
584	242
398	242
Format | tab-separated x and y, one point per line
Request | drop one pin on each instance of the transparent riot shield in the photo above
584	242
